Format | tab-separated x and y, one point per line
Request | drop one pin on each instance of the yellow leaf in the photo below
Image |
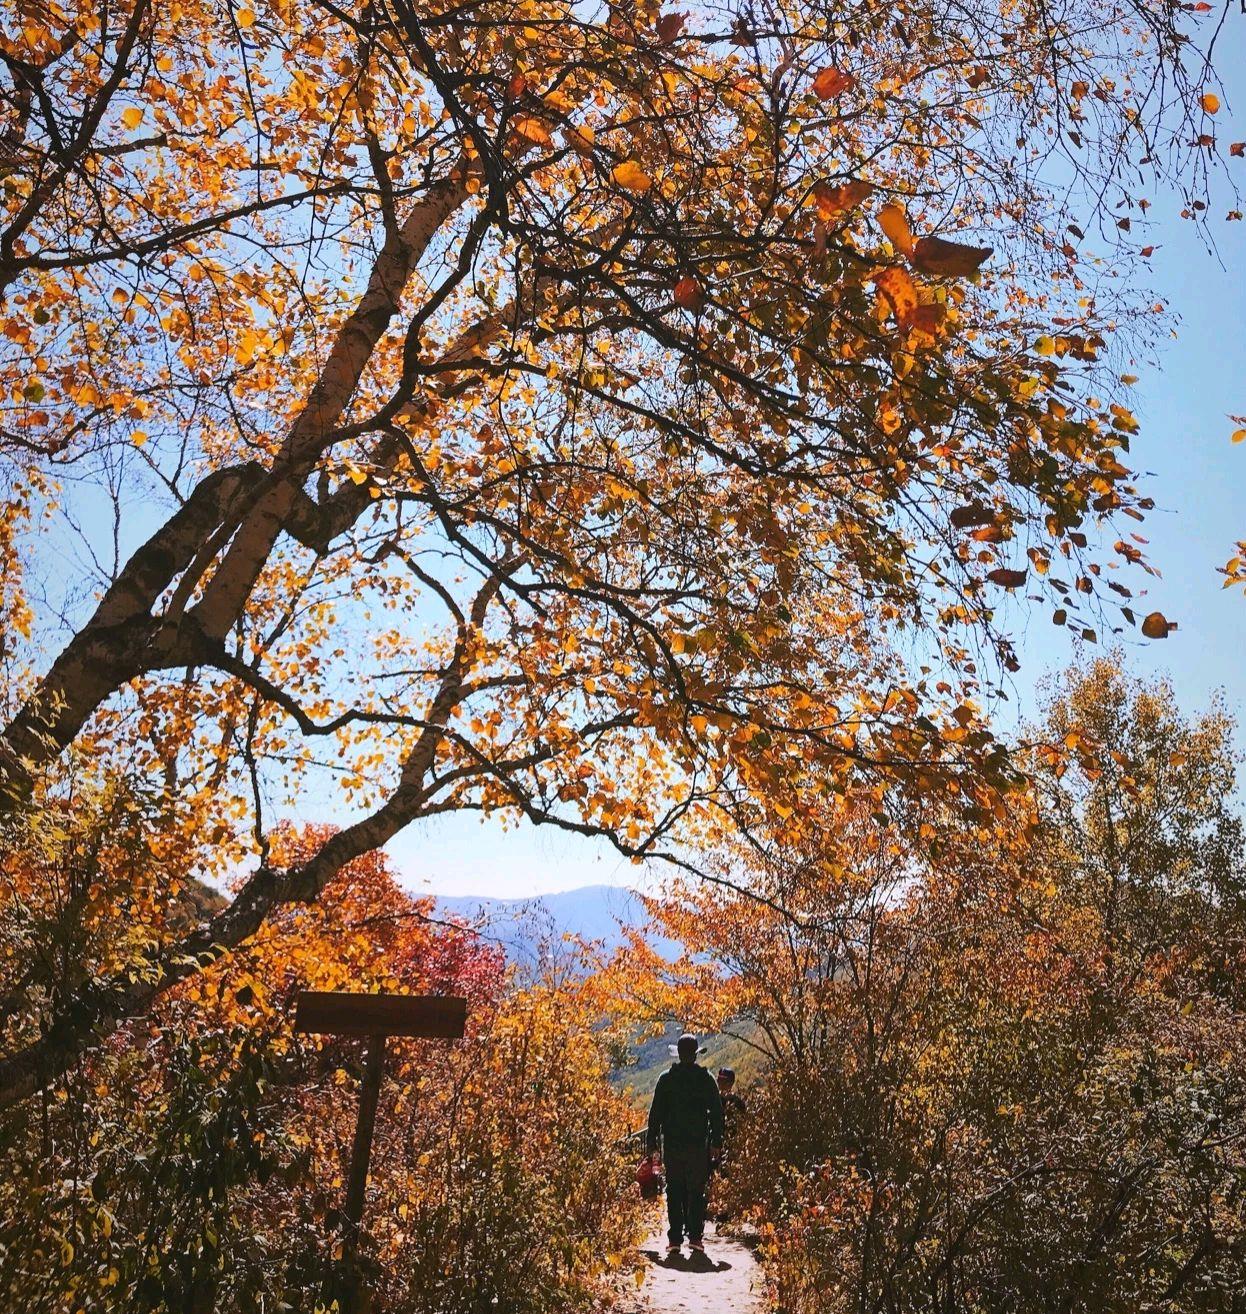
132	117
1045	346
1238	436
631	176
138	437
893	222
245	18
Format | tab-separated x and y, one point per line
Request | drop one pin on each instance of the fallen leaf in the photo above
944	259
830	83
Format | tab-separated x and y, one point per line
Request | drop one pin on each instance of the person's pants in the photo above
687	1172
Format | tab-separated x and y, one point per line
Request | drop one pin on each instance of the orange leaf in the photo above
943	259
1238	148
899	290
893	222
631	176
832	201
977	77
830	83
532	130
1210	103
925	318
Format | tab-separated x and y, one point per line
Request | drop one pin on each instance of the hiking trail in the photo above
725	1280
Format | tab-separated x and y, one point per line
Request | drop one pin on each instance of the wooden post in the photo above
357	1184
375	1017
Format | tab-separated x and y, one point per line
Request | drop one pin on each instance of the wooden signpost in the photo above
375	1017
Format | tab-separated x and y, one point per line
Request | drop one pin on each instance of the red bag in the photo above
649	1178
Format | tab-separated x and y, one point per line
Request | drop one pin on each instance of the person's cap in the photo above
689	1045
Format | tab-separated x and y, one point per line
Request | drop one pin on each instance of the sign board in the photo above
345	1013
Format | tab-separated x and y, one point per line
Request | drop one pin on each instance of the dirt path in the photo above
726	1280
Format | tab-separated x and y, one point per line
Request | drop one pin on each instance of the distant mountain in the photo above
524	927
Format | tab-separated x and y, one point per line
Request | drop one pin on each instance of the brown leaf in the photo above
830	83
943	259
965	517
977	77
669	26
1238	148
1007	579
1157	626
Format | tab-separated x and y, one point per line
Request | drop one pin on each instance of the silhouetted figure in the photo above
686	1117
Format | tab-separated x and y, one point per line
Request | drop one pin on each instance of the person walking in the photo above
733	1117
686	1120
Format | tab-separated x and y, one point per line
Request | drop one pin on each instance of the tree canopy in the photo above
554	411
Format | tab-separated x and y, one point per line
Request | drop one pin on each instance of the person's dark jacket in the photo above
687	1110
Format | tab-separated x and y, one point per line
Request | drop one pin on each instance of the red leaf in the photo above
1007	579
688	293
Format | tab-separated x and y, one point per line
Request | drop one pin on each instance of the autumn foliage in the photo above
1002	1072
196	1162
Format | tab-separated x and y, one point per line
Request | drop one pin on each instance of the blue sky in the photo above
1195	475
